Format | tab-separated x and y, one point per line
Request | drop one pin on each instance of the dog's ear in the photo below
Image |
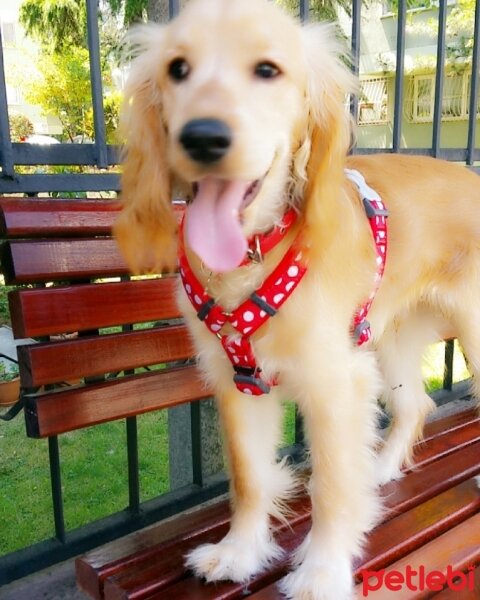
329	128
146	227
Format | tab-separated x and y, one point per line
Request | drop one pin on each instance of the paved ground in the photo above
8	346
56	583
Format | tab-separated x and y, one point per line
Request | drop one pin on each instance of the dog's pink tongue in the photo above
213	229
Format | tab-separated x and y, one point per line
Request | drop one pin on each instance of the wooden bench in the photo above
433	513
69	243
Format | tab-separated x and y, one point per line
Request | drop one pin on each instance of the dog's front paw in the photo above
312	581
234	558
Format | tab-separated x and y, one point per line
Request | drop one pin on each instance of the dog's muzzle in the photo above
206	140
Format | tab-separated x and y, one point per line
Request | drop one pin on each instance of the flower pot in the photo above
9	391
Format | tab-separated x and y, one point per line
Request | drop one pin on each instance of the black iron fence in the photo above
102	157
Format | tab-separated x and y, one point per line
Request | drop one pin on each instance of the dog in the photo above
242	110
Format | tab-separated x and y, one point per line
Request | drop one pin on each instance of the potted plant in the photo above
9	384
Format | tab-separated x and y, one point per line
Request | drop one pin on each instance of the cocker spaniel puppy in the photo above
296	283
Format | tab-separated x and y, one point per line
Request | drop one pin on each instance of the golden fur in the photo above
294	130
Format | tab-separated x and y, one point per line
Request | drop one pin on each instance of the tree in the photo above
325	10
460	27
55	24
62	88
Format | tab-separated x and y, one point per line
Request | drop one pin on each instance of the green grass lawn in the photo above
94	476
94	468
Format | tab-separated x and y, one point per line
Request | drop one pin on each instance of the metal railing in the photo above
102	156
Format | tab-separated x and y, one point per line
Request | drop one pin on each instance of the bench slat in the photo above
142	547
59	260
399	536
444	445
156	587
459	548
447	424
166	566
41	364
60	411
432	479
50	218
63	309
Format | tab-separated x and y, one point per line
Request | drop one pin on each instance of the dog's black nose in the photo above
206	140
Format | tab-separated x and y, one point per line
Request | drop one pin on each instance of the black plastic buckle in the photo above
205	309
248	376
372	211
270	310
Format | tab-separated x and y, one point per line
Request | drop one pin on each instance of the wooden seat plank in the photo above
60	411
60	260
46	218
41	364
157	569
400	535
444	425
43	312
141	547
444	445
458	548
432	479
155	587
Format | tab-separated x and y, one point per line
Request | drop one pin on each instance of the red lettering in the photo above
435	581
367	585
421	575
410	573
456	580
394	581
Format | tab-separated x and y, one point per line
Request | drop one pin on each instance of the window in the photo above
13	95
423	98
373	103
469	84
420	97
8	34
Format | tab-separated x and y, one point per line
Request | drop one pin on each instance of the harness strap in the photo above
377	218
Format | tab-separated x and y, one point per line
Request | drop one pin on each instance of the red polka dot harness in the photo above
265	302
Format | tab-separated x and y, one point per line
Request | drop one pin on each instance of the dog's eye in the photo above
267	70
179	69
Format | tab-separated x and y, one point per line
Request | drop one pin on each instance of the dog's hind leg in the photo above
252	428
400	353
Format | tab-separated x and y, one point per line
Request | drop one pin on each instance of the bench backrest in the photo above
107	346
